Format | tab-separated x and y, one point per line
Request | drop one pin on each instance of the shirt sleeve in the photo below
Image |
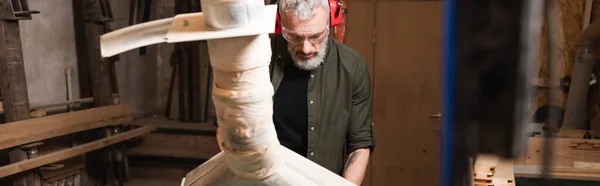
360	132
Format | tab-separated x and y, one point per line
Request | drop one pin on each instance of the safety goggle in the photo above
297	39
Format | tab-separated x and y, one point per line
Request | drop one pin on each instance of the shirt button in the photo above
312	75
279	56
311	102
312	153
312	128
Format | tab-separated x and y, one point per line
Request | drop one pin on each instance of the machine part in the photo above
242	93
552	115
339	30
13	83
31	149
577	99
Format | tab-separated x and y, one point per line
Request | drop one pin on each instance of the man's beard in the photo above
312	63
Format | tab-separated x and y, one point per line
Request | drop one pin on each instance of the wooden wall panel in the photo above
407	90
359	36
359	29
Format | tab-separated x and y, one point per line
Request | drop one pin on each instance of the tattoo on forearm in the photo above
351	159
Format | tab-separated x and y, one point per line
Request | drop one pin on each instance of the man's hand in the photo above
355	168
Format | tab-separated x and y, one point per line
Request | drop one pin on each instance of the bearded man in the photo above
322	103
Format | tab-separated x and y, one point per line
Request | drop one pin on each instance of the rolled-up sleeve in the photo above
360	132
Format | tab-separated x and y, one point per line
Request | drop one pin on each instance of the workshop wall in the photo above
138	74
49	49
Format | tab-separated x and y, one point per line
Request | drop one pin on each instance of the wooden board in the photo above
177	145
407	69
586	165
563	154
161	122
72	152
37	129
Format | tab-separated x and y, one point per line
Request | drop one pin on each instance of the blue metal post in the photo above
448	94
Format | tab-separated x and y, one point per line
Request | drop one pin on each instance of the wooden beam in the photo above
72	152
13	84
185	154
99	67
32	130
164	123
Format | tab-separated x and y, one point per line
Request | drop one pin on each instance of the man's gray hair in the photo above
303	9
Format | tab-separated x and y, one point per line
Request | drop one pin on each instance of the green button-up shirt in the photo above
339	102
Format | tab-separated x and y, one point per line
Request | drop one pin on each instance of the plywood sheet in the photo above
567	16
407	88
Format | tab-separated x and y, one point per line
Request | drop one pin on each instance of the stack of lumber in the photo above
572	158
490	170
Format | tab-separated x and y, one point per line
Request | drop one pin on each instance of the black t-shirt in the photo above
290	110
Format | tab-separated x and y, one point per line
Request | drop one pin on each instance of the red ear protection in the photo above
335	9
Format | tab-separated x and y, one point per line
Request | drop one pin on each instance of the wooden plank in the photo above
488	161
186	154
206	145
72	152
564	154
571	133
56	125
528	171
504	174
586	165
161	122
407	71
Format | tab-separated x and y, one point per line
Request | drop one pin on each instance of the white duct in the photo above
239	48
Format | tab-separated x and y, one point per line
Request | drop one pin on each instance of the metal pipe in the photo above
69	73
577	99
54	105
